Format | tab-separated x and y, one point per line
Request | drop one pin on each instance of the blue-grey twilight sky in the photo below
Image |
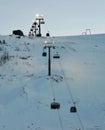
62	17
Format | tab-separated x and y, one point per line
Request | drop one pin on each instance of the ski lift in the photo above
44	54
44	47
55	105
31	29
73	109
42	22
33	26
56	56
29	33
35	23
47	34
36	29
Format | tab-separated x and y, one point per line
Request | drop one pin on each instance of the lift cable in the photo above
60	120
51	82
78	116
54	98
67	85
69	90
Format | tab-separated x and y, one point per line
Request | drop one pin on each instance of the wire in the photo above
52	89
60	120
67	85
71	97
59	116
69	90
80	121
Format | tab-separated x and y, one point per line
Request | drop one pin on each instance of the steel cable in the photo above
70	93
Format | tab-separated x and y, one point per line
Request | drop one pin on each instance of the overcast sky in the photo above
62	17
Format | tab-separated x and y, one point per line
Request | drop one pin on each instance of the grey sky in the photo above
62	17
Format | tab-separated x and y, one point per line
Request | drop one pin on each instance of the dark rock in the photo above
18	32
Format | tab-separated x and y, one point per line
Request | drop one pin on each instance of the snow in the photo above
26	90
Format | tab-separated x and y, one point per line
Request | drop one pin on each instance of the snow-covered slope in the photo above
26	90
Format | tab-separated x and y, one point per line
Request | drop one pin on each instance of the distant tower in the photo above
83	33
88	31
35	29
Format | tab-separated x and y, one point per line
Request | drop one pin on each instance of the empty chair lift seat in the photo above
47	34
56	56
55	105
73	109
44	54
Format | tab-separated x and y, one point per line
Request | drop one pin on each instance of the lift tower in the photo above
35	29
48	44
39	20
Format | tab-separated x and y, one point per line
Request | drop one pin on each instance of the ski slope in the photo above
26	90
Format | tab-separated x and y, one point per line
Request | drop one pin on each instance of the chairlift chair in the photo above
31	29
56	56
35	23
44	54
42	22
44	47
33	26
47	34
73	109
55	105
